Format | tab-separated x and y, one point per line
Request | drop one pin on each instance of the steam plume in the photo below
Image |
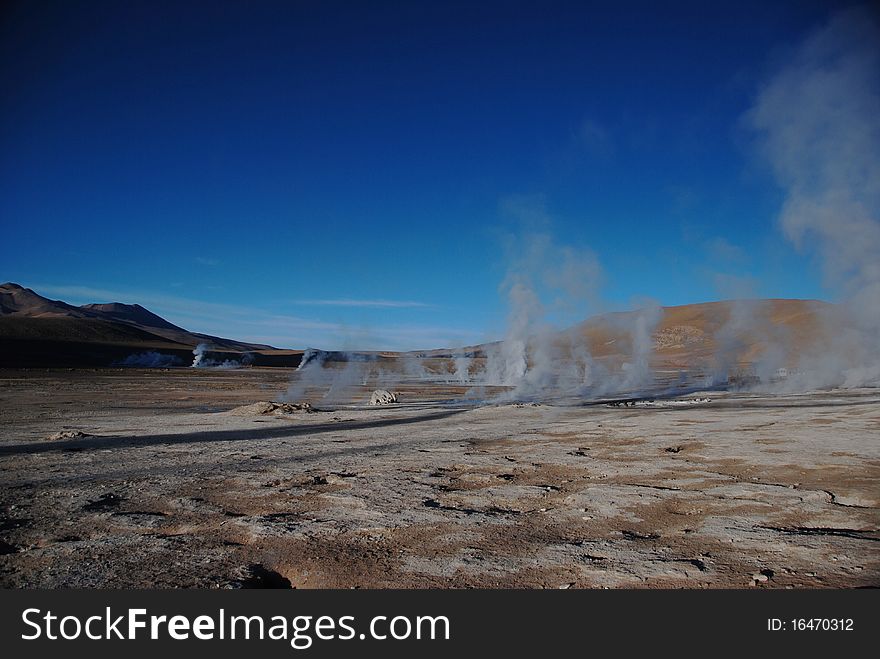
199	359
818	121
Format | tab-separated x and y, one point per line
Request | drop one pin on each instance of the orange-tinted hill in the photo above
732	334
692	336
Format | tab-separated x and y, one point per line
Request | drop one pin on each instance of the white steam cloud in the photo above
202	360
544	279
548	288
818	121
199	359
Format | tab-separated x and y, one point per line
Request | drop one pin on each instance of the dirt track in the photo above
166	488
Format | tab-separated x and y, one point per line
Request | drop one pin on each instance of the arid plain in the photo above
175	478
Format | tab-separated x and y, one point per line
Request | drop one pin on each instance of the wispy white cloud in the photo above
378	304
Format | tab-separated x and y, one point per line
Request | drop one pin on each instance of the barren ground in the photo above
168	488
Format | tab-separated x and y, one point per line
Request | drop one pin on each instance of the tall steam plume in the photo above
818	121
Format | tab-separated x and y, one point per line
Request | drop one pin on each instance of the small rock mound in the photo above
67	434
264	407
383	397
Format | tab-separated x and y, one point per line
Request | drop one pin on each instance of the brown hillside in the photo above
692	336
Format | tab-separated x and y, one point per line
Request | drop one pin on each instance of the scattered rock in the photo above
271	408
638	535
383	397
68	434
762	577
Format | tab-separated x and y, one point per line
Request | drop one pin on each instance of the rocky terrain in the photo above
127	478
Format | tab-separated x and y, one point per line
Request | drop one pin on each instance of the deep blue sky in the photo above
319	173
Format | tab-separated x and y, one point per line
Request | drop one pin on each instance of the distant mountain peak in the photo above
16	299
130	313
20	303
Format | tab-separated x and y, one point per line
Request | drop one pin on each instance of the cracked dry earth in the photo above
151	481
